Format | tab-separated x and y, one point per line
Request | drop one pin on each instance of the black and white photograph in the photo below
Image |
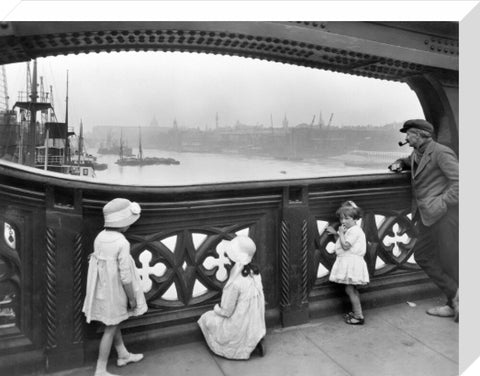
237	188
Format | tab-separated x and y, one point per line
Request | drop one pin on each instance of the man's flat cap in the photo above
417	124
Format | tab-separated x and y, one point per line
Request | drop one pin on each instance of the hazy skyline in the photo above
132	88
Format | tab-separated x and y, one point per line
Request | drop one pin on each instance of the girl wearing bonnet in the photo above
114	292
235	328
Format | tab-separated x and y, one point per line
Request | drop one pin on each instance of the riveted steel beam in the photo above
390	51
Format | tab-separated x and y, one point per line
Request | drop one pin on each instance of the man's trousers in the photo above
436	251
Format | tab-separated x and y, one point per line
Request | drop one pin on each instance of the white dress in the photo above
350	267
234	328
110	267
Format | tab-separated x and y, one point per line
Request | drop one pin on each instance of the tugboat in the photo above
140	160
84	163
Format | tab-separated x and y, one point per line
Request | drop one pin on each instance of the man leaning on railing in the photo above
434	170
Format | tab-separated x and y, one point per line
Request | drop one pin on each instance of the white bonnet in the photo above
121	212
241	249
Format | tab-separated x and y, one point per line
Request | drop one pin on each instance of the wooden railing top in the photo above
34	175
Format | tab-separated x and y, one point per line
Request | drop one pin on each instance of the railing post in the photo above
63	296
294	256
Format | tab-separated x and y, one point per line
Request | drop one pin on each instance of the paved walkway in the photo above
397	340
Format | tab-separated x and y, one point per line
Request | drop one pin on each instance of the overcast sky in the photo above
131	88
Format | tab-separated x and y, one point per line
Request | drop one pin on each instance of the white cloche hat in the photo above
241	249
121	212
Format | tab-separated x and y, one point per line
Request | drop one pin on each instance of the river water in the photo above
204	168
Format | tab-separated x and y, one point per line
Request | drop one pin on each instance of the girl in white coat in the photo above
235	328
114	292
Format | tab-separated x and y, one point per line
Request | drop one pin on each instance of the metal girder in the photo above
392	51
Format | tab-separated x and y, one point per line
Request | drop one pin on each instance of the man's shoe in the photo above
441	311
456	306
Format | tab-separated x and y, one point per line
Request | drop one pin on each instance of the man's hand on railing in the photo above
396	166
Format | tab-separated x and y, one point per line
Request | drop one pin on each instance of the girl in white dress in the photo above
350	267
235	328
114	292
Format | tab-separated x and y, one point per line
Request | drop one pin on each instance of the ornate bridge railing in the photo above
49	224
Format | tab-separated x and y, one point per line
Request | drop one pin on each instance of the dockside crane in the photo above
320	120
330	120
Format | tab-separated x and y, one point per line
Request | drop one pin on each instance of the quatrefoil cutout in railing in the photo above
396	240
211	262
10	235
146	270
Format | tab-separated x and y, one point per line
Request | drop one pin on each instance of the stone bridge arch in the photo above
424	55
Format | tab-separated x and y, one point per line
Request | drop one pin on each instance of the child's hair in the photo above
349	209
249	269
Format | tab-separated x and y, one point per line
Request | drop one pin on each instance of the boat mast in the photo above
45	163
21	156
80	143
66	101
66	155
32	140
121	144
140	150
